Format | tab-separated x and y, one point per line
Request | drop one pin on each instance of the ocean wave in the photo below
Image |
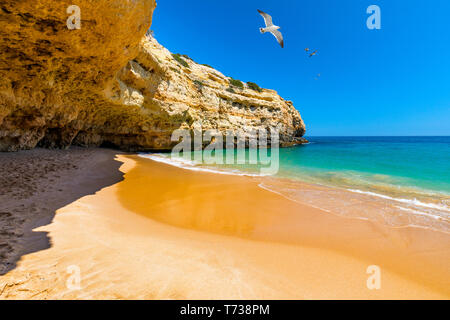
427	214
335	201
194	166
414	202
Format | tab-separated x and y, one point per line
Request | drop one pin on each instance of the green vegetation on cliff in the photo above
236	83
180	60
254	86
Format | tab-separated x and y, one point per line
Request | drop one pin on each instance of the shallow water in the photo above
398	180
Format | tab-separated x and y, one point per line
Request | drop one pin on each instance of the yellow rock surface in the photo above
109	84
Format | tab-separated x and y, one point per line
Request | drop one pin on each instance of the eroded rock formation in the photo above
108	83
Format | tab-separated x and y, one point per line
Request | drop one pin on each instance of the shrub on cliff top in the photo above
254	86
186	57
180	60
236	83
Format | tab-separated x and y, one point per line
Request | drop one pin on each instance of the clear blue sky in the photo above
393	81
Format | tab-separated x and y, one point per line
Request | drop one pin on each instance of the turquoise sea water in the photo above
411	174
416	162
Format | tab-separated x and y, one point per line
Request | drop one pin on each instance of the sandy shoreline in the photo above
168	233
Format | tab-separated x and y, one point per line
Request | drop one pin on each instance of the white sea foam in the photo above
194	166
421	213
418	222
178	162
414	202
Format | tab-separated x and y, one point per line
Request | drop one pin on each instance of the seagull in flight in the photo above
270	27
313	54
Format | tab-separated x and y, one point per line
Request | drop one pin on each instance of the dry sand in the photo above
169	233
35	183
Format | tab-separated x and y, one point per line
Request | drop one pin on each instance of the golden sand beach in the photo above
169	233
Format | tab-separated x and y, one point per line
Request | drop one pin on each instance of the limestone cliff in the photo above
108	84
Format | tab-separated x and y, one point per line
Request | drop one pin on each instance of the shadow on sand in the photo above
34	184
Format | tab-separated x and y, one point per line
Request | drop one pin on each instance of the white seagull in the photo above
270	27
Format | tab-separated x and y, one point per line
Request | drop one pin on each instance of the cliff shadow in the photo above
34	184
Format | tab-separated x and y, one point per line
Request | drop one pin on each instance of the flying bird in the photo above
313	54
270	27
306	49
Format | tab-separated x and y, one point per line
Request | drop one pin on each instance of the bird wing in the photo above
279	37
267	18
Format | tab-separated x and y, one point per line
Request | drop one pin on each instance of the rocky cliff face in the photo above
107	83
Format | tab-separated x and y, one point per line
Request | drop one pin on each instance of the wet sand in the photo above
170	233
